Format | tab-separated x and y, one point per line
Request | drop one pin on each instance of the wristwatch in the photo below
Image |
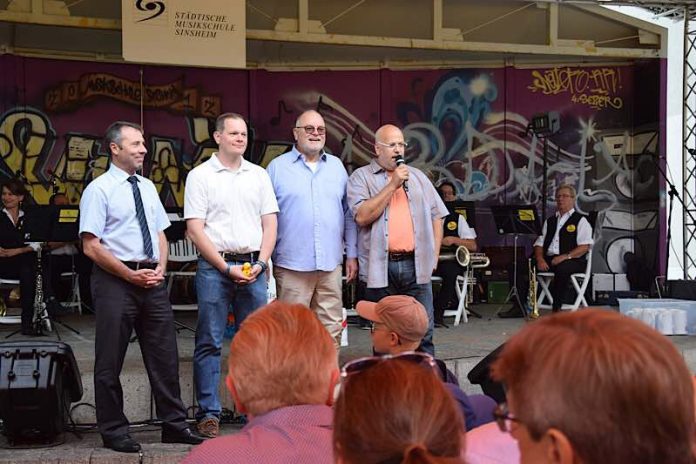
264	266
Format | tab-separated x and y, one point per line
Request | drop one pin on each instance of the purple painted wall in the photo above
463	125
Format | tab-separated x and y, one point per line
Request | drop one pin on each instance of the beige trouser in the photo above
321	291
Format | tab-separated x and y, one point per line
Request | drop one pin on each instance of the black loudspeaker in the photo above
480	375
682	289
38	381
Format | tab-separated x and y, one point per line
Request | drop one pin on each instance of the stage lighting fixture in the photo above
546	123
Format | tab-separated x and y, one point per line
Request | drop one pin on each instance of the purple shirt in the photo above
297	434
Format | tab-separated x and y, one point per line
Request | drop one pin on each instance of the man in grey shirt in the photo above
399	216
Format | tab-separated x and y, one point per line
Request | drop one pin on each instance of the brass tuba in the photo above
466	258
532	297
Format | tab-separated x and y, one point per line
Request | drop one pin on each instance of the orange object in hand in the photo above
246	269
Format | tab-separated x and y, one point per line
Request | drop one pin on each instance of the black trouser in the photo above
22	267
448	270
121	307
561	277
559	284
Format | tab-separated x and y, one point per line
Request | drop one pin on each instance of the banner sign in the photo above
182	32
173	96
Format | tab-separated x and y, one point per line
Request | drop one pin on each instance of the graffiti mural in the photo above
469	126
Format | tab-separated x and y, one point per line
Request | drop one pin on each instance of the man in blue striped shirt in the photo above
314	224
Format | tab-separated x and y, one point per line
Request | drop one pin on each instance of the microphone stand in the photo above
672	192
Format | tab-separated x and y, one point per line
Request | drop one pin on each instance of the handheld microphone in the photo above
399	161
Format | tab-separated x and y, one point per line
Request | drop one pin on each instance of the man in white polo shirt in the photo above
230	211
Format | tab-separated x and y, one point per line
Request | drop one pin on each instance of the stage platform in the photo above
461	347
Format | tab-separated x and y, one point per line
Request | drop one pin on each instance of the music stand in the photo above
516	220
175	232
52	223
465	208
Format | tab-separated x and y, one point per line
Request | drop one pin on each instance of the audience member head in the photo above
389	144
594	386
310	133
447	190
399	323
13	193
396	411
281	356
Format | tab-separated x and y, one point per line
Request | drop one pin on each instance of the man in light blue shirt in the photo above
314	225
122	224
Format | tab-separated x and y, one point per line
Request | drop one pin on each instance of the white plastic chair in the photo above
181	251
461	287
75	296
578	280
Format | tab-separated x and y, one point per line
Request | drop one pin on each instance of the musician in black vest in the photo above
456	233
565	240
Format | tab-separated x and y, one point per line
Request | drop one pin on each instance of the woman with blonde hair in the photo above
395	409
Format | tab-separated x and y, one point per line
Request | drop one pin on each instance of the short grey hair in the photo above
113	132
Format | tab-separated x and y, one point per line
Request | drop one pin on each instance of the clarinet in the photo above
40	320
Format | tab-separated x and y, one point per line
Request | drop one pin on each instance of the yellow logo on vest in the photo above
452	225
571	228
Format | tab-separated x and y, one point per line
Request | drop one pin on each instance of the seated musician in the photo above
456	233
565	239
17	258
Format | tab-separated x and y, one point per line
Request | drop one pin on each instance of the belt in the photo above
241	257
400	255
136	265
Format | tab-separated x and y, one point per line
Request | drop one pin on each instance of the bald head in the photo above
389	144
386	132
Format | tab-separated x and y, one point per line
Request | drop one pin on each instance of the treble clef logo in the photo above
156	7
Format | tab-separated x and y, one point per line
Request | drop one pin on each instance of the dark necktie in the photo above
140	214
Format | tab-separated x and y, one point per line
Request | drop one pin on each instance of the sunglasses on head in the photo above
361	364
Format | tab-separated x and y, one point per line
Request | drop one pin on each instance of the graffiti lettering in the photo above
595	88
26	139
598	102
166	171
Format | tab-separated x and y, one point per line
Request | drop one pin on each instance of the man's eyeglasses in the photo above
393	145
359	365
321	130
503	418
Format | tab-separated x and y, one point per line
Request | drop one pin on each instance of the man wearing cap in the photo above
399	216
399	323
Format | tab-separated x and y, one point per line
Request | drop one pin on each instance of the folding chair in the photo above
461	287
181	251
578	280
